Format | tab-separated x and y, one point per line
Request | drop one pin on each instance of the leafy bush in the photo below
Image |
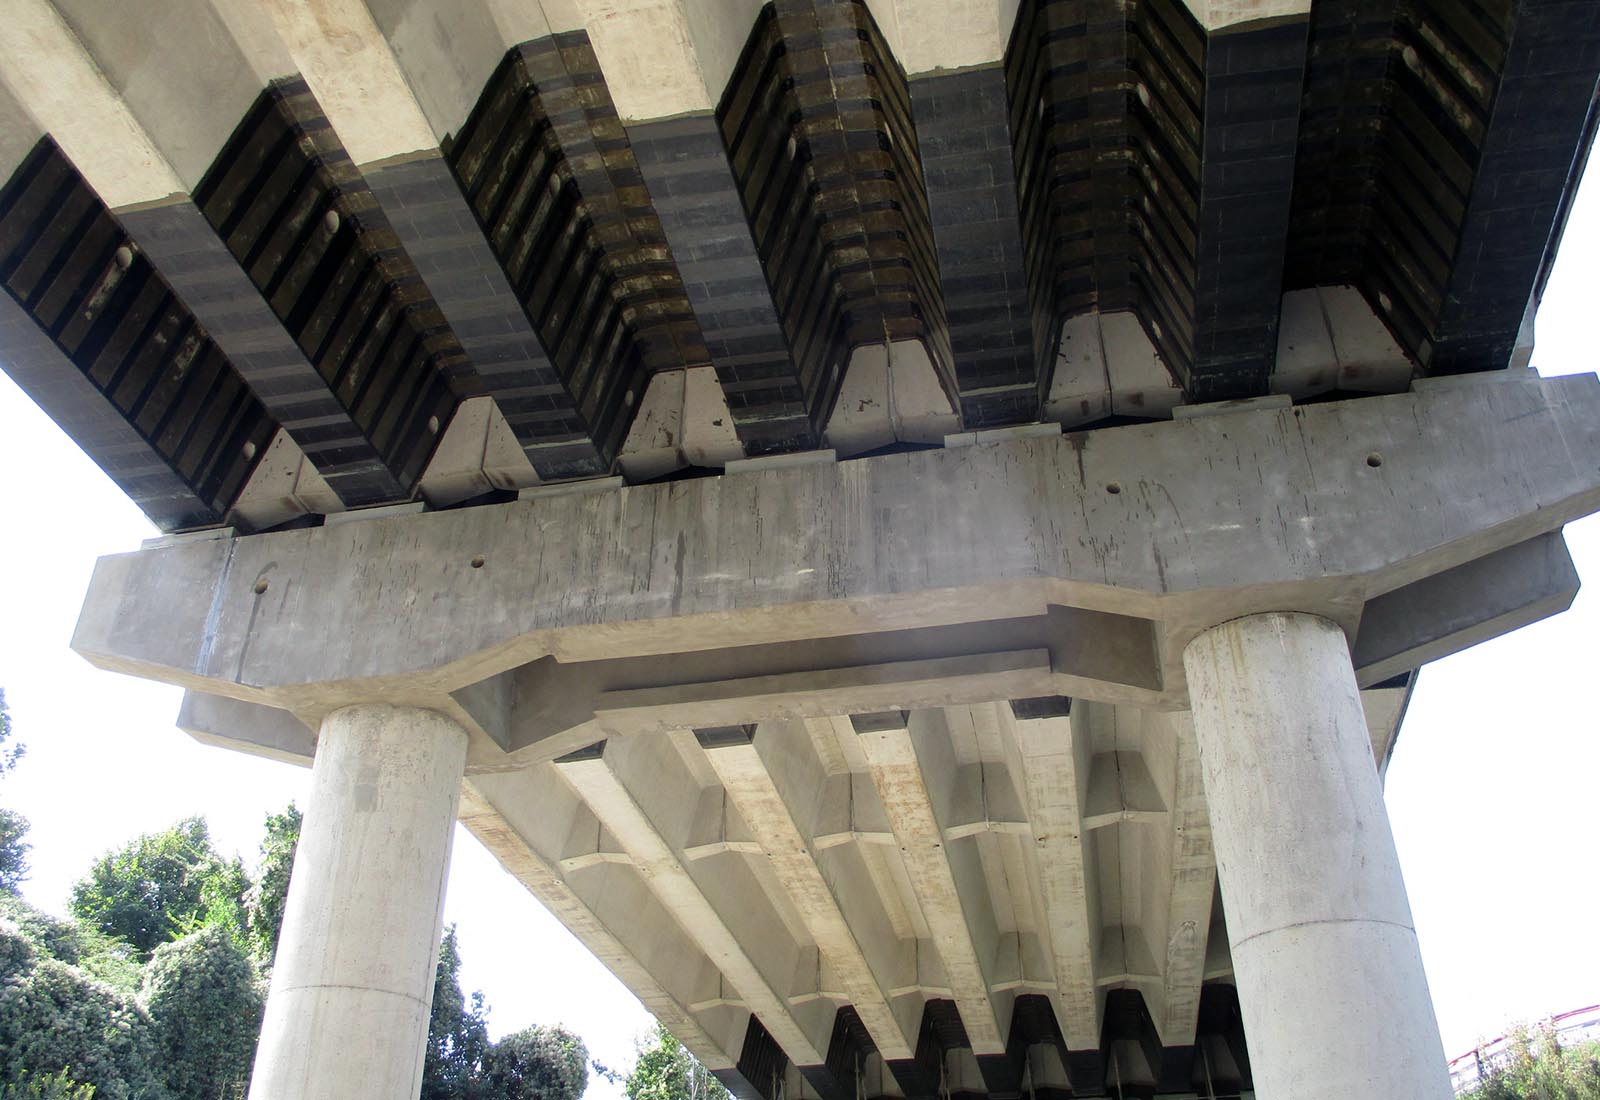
98	955
264	902
204	1000
537	1063
667	1071
1539	1068
55	1018
48	1086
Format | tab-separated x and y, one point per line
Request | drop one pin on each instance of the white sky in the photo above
1492	790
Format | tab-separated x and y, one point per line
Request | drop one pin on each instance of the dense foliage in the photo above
46	1086
13	826
458	1034
204	998
537	1063
264	903
156	990
1539	1068
160	886
666	1071
54	1018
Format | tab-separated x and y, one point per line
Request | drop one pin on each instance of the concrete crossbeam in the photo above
1004	529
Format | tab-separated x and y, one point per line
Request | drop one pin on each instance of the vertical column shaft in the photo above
1331	986
347	1014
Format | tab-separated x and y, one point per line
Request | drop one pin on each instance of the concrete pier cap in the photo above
1078	565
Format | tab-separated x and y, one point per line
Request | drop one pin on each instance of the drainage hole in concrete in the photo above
1374	460
477	561
1113	488
261	586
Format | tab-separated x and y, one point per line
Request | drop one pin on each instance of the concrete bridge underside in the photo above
910	525
881	777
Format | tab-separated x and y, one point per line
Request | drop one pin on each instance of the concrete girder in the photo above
505	811
448	49
1049	761
371	101
934	34
667	57
338	49
1189	868
782	555
905	754
595	778
144	150
60	91
758	770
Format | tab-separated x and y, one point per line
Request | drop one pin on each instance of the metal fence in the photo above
1581	1025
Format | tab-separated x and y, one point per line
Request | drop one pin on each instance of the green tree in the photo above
13	826
1540	1068
666	1071
161	885
537	1063
264	903
457	1033
204	999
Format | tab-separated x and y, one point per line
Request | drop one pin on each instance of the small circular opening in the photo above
261	586
249	450
1374	460
330	221
1113	487
433	425
124	257
477	561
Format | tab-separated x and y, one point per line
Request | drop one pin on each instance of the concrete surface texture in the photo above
901	521
347	1013
1311	883
906	738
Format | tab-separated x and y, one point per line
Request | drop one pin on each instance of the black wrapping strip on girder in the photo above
551	176
382	373
818	127
1106	118
1441	142
572	93
964	134
431	217
762	1063
685	165
1539	132
1253	79
94	334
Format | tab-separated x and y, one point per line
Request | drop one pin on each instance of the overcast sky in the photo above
1492	790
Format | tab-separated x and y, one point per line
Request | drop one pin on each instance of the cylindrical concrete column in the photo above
1331	987
347	1013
